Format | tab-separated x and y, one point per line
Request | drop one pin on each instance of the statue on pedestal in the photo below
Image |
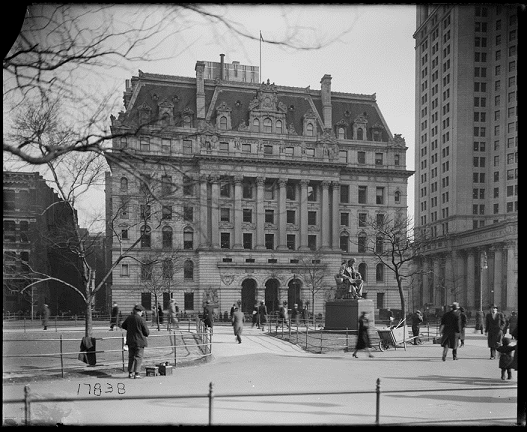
350	280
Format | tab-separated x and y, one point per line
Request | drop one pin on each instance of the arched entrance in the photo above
248	295
293	293
271	295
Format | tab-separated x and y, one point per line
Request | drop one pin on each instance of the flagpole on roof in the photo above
261	39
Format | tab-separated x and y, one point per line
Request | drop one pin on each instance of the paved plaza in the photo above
268	368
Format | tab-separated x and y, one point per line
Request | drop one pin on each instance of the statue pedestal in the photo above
344	314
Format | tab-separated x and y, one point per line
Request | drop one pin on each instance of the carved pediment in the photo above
144	107
361	119
222	107
397	141
309	114
266	99
165	104
378	126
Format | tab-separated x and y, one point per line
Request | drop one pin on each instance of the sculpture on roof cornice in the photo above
397	141
242	126
222	107
268	87
291	129
361	119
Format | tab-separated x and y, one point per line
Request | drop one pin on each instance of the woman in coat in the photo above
494	326
45	317
363	338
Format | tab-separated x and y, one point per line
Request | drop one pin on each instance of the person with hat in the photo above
45	316
237	323
208	314
464	319
506	359
173	309
114	317
417	319
494	326
136	333
450	331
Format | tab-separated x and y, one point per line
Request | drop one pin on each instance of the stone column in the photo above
303	215
282	215
325	221
260	214
459	277
426	283
497	264
238	214
471	292
512	283
215	211
335	216
436	298
204	239
449	278
484	278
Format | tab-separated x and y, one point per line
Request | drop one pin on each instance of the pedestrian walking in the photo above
305	315
513	323
232	310
463	317
363	337
254	316
284	315
417	319
160	314
506	360
262	314
450	330
295	315
173	309
208	315
114	317
479	322
136	333
494	325
237	324
45	316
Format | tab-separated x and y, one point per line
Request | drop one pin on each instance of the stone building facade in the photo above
258	186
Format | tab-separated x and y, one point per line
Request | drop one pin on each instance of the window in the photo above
278	126
290	191
224	146
344	194
188	187
397	159
188	214
189	301
397	197
312	242
269	216
362	194
247	190
269	190
361	157
380	195
311	193
225	214
246	148
378	158
125	270
247	241
362	219
166	212
340	133
345	219
311	217
247	215
291	216
310	152
188	270
225	240
145	144
291	242
145	212
166	185
267	125
124	184
167	237
363	272
225	189
362	243
268	149
167	269
188	239
379	245
146	234
146	271
256	125
309	129
269	241
343	156
344	242
379	273
223	123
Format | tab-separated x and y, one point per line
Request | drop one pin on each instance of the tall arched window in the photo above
223	123
188	238
188	270
167	237
397	196
363	271
309	129
379	245
146	234
379	273
340	132
344	242
124	184
256	125
267	125
278	126
360	134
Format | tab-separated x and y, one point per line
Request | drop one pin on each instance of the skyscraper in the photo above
466	153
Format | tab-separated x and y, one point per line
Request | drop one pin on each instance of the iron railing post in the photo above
27	405
211	400
378	402
61	357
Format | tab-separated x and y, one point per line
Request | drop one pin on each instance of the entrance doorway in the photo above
271	295
248	295
293	294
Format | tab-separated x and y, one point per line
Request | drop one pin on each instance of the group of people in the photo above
452	331
173	310
259	315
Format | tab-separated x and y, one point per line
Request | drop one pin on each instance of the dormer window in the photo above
187	121
340	133
267	125
223	123
278	127
309	129
360	134
256	125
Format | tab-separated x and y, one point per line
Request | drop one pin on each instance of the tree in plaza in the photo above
396	246
314	273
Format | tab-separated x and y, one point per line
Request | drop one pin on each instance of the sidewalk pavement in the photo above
262	364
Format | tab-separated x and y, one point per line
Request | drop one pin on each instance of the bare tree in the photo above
314	273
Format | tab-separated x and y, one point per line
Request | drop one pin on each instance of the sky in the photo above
370	49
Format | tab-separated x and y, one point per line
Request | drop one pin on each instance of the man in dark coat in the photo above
136	333
494	325
45	316
450	331
237	323
114	318
417	319
363	337
262	314
208	314
513	322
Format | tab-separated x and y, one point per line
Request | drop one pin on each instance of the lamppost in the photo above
483	266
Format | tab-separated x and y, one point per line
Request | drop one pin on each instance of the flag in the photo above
261	38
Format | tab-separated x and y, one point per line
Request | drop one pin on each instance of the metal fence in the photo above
28	401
